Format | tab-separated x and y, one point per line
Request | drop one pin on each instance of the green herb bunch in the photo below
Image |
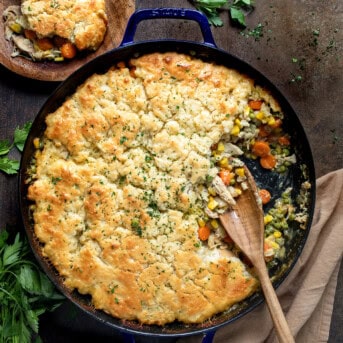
7	165
237	10
25	291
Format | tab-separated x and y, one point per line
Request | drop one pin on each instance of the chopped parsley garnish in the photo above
123	140
55	180
136	226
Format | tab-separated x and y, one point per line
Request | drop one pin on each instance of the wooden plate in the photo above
118	13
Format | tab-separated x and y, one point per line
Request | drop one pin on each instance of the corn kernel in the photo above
214	224
201	222
221	147
224	162
59	59
267	219
15	27
212	204
238	122
36	143
216	156
271	121
240	171
238	191
212	191
277	234
274	245
260	115
235	130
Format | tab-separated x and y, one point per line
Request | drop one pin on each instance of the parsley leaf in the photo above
20	135
25	291
236	9
210	9
11	253
237	15
5	147
9	166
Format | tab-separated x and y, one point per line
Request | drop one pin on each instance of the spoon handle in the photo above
281	326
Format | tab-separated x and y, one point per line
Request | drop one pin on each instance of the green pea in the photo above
281	169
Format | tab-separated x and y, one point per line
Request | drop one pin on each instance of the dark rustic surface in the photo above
299	39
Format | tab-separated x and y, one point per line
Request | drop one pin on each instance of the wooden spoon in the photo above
244	223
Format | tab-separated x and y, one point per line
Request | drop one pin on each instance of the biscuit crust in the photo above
116	185
82	22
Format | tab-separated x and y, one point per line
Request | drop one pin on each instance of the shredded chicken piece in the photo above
211	214
223	191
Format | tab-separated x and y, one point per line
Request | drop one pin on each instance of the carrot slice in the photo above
261	148
68	50
255	104
30	34
268	161
276	124
226	176
204	233
284	140
45	44
265	196
264	130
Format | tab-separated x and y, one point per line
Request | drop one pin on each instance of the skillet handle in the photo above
173	13
130	338
208	337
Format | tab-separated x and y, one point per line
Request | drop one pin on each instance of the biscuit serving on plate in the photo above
81	22
41	29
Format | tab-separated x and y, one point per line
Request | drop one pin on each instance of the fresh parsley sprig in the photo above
25	291
8	165
237	10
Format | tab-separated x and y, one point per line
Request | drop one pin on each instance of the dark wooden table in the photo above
298	47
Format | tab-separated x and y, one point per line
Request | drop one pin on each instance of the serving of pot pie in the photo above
130	177
55	29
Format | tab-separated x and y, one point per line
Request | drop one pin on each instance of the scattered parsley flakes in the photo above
295	78
123	140
335	137
136	226
55	180
257	32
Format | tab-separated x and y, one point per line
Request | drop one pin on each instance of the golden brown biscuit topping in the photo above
121	182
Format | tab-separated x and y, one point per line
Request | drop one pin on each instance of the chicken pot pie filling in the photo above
55	30
132	173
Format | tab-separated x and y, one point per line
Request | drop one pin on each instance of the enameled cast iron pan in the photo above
207	51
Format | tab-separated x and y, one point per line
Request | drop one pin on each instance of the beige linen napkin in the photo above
307	294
